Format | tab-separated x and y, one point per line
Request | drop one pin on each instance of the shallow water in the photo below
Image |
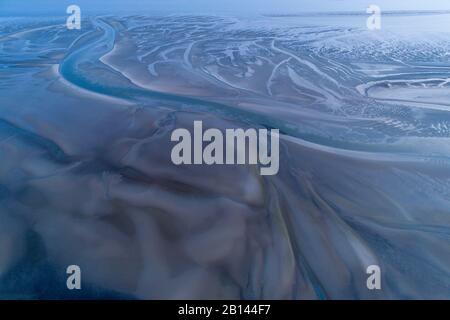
86	176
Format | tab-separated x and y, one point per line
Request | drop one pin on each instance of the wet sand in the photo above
86	176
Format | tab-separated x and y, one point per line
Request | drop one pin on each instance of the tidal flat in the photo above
86	176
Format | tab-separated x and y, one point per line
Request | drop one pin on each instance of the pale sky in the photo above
24	7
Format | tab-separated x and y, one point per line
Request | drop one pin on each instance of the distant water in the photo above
86	177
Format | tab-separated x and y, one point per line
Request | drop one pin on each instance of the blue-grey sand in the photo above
86	177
